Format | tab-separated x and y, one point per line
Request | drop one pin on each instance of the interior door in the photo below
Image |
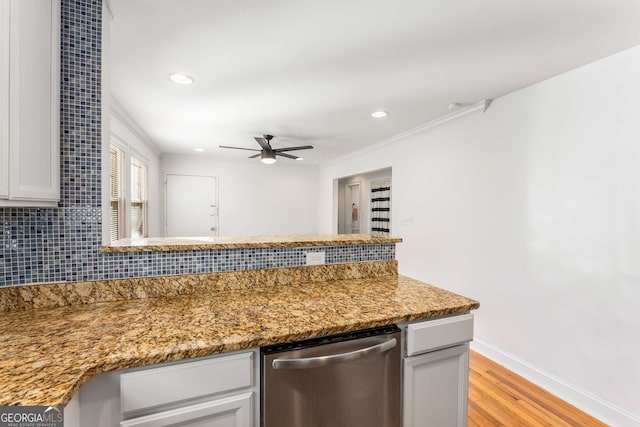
352	209
191	205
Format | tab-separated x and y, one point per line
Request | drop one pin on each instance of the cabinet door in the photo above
436	387
4	98
234	411
34	171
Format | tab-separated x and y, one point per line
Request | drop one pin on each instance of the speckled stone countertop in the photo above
164	244
47	354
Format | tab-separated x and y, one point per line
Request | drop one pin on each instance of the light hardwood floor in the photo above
498	397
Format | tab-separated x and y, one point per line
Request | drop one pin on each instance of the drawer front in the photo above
169	384
230	411
435	334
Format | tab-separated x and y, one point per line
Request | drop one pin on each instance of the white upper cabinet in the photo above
4	99
30	79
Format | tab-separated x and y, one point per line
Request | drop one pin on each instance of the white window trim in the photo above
106	126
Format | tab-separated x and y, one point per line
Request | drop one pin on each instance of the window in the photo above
128	191
138	198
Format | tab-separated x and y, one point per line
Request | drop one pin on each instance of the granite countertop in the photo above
163	244
47	354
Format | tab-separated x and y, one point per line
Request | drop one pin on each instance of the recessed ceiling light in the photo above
299	158
199	150
180	78
379	114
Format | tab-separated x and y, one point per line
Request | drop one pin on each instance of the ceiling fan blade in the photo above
255	155
263	143
286	155
301	147
238	148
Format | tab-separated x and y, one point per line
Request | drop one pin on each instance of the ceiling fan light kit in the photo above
267	157
268	154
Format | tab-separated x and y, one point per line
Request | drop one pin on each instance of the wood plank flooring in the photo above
498	397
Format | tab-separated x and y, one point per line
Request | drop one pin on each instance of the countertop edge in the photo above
257	242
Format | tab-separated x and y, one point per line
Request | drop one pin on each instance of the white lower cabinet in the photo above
435	388
234	411
215	391
436	372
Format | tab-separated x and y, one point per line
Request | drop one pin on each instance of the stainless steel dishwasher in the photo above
346	380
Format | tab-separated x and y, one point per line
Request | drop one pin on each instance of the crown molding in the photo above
121	114
455	116
107	3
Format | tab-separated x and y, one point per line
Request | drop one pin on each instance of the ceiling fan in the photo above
267	154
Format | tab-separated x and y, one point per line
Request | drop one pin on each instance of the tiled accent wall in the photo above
56	245
143	264
43	245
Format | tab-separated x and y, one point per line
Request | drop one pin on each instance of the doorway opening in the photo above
364	203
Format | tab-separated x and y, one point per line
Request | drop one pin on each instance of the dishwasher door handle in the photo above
320	361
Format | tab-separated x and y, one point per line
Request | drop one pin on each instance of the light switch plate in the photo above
315	258
407	221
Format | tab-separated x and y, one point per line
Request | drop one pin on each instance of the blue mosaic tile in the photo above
80	109
57	245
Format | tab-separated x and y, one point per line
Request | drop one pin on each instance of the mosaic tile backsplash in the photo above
56	245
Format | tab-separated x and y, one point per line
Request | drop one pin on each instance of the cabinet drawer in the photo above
234	410
169	384
434	334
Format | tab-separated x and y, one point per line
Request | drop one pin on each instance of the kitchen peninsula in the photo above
55	337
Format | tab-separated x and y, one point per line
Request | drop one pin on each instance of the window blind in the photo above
138	206
115	191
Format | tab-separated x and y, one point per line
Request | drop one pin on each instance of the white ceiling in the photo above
312	71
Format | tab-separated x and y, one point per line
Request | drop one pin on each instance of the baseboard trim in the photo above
592	405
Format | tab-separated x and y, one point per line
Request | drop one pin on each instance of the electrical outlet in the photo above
315	258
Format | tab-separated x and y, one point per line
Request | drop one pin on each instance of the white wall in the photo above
534	209
127	133
256	199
